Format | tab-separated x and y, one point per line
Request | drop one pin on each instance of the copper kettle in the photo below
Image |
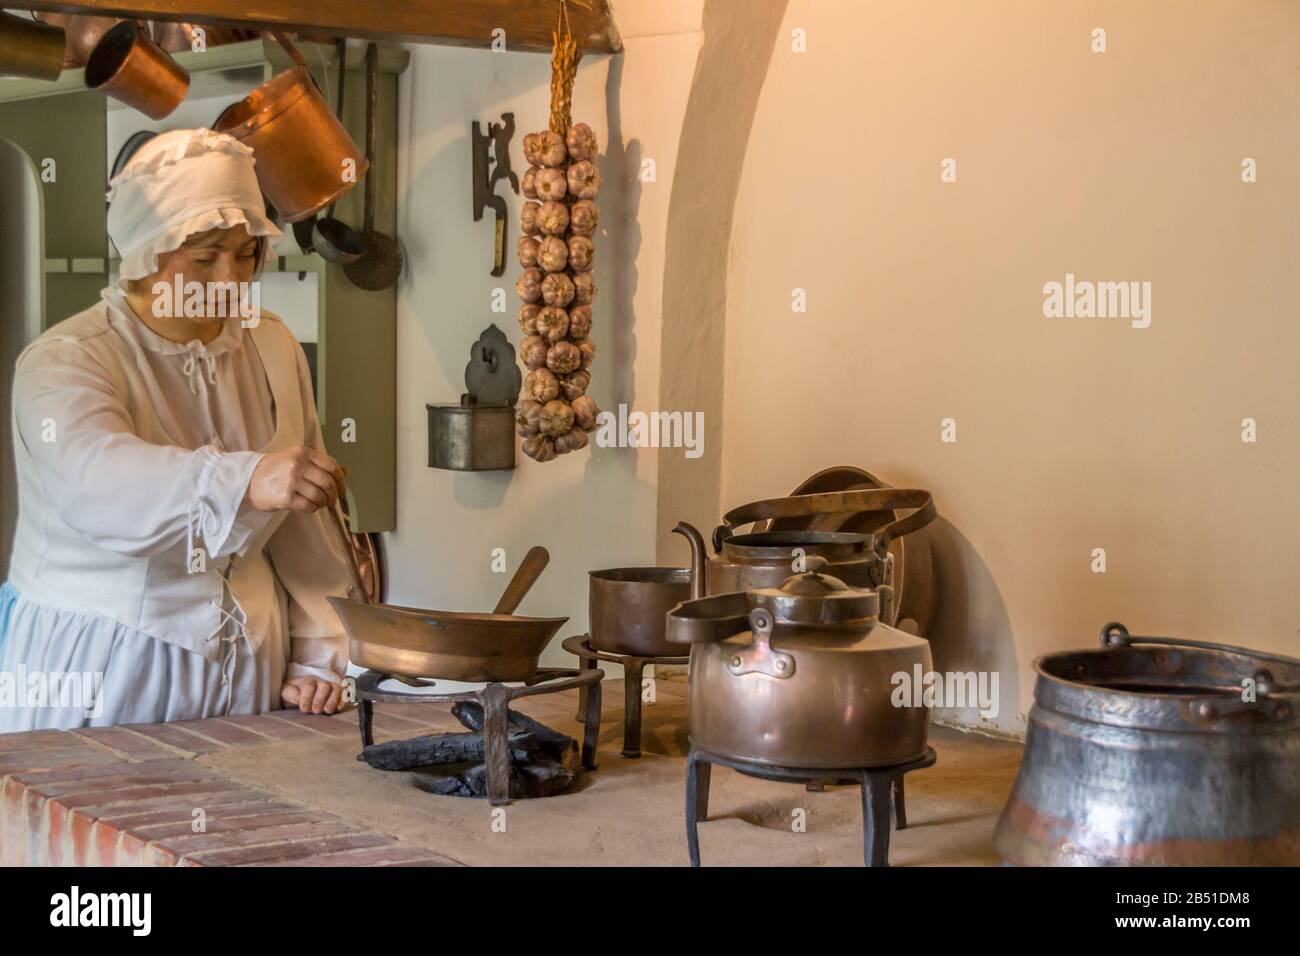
766	558
802	674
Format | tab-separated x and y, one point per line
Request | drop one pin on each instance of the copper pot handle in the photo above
761	657
292	50
840	502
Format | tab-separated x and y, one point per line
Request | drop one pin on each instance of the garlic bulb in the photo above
581	251
562	358
552	324
583	217
556	418
585	413
553	254
526	247
572	440
558	289
539	448
580	321
533	352
533	148
574	385
529	183
584	288
552	151
527	415
552	185
529	285
581	142
541	385
552	218
528	218
528	318
588	349
584	179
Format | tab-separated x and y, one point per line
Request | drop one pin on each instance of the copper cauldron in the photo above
765	559
1159	752
802	675
305	159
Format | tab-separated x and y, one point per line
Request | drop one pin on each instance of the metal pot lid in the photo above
492	377
817	598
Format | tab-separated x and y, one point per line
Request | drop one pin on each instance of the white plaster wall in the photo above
592	509
925	303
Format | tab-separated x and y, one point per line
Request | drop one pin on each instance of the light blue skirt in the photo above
61	669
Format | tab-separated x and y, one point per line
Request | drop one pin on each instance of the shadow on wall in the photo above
971	632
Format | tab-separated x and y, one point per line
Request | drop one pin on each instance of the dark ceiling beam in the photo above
528	23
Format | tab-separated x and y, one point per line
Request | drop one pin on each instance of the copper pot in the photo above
1148	751
628	608
29	48
83	32
801	675
127	66
302	150
765	559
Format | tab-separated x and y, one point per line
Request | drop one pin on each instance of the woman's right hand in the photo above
296	479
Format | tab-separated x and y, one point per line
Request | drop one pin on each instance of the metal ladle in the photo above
381	263
334	239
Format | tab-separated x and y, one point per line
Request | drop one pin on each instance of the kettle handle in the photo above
840	502
760	657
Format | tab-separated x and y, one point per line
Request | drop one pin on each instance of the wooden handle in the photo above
530	569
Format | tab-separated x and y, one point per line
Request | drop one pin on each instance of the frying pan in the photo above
451	645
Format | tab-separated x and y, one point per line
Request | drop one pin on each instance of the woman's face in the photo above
214	259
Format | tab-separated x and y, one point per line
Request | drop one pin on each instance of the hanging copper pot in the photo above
30	49
82	33
305	159
181	37
129	67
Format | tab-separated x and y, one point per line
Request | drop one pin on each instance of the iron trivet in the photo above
580	647
506	735
876	783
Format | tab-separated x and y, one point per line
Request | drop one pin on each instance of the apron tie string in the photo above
230	638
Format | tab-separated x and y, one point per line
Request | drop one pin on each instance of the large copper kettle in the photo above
766	558
803	675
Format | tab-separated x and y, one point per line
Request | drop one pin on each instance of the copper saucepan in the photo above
29	48
128	66
305	159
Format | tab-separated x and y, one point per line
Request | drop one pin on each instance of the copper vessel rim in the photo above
275	96
457	615
646	575
1040	668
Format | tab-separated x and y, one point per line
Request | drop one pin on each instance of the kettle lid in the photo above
814	597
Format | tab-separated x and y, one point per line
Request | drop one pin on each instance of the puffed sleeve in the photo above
104	481
310	563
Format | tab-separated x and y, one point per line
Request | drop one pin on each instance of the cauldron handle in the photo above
838	502
1116	634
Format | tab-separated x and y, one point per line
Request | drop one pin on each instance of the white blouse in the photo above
134	454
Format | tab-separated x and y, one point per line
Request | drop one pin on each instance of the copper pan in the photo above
181	37
447	645
302	151
30	49
127	66
83	32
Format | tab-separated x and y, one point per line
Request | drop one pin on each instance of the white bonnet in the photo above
180	183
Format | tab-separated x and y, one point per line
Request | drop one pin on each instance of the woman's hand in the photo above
296	479
311	695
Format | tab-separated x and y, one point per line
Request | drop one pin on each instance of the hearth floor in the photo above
286	789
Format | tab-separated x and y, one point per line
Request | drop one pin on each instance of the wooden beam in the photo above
528	24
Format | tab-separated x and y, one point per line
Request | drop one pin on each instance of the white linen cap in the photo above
179	183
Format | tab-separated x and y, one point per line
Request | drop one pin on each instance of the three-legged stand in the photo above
878	784
633	668
495	700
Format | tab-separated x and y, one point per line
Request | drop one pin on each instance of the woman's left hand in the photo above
311	695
